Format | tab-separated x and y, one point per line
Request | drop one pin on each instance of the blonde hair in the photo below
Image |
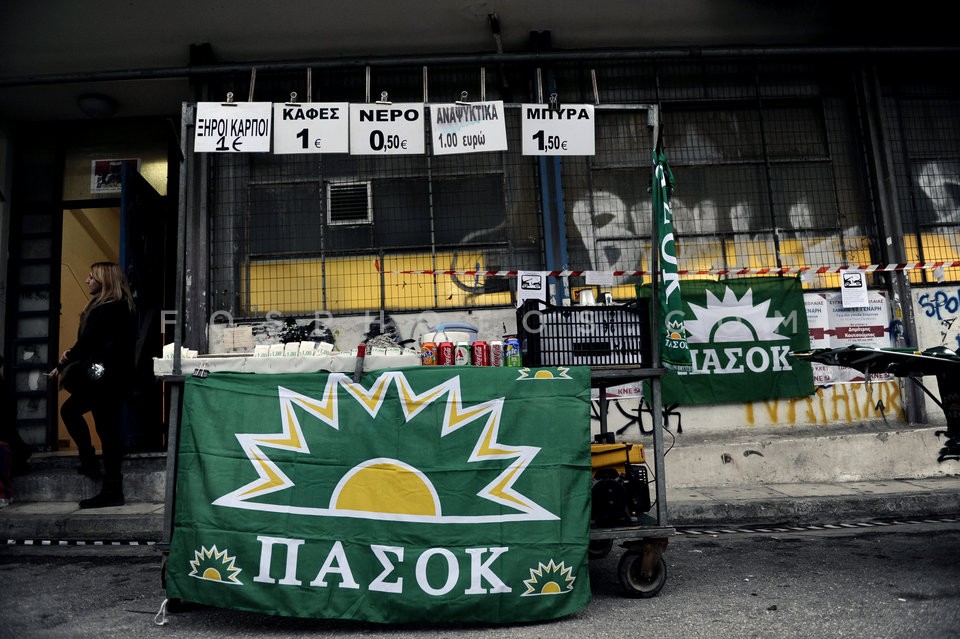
113	286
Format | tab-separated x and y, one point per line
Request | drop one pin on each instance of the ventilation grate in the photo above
349	203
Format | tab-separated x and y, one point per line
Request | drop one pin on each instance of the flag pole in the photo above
656	403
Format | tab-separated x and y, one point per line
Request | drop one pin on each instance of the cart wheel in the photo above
599	548
635	581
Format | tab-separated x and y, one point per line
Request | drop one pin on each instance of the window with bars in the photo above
768	156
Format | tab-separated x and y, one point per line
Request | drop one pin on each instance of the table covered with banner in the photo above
417	494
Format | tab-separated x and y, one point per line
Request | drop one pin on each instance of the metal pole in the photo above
176	385
656	403
890	225
159	73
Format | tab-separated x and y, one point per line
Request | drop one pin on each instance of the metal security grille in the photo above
923	125
769	156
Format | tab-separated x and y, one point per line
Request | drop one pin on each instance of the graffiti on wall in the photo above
942	307
616	236
940	184
840	403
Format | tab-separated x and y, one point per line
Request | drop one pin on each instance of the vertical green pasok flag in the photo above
423	494
674	352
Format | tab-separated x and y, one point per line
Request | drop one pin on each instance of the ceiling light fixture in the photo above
97	105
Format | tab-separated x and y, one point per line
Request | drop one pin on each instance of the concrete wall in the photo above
831	408
840	433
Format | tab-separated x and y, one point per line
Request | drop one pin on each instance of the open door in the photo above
143	228
90	234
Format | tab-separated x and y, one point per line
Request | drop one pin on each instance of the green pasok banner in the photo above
422	494
674	350
739	332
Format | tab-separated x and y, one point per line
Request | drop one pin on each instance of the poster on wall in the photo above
105	174
834	325
853	289
531	285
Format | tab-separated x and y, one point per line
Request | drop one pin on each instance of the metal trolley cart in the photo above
615	342
643	532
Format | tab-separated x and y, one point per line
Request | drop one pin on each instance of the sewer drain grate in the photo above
694	532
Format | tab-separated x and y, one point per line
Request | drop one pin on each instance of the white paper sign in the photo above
314	127
235	127
567	131
853	289
832	325
387	129
598	278
531	285
468	127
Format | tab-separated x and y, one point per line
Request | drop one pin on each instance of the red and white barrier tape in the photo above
786	270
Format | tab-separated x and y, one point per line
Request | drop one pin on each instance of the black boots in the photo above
110	495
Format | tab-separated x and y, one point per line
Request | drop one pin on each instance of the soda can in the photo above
496	353
428	354
445	353
511	350
481	353
461	354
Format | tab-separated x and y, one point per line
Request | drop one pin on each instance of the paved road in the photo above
879	582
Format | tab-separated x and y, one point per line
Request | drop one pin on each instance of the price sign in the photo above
387	129
314	127
467	127
234	127
569	130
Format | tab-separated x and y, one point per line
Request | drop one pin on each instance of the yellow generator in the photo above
620	492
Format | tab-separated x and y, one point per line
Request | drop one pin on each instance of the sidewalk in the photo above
704	507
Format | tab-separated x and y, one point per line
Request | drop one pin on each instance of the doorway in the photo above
89	235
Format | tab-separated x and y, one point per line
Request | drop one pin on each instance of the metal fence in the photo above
769	156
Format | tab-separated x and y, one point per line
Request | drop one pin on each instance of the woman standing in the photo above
97	372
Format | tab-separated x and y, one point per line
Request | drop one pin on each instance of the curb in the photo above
813	510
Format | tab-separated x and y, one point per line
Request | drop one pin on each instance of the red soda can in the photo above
496	353
428	354
481	353
445	353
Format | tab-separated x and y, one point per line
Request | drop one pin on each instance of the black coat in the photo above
108	336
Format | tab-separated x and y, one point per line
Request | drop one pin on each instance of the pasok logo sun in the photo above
549	579
561	372
211	564
676	330
733	320
380	486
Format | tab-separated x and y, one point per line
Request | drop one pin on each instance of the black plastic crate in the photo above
607	335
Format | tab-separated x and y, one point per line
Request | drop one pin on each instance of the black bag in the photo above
79	376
